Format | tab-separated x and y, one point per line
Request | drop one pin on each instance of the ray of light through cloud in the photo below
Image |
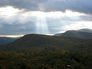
41	25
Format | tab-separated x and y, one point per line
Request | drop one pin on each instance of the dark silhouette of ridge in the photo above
82	34
37	42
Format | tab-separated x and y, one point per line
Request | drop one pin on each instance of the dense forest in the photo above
45	60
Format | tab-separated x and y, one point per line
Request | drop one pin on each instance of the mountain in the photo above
82	34
6	40
86	30
36	43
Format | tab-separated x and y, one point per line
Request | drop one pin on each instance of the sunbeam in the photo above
41	25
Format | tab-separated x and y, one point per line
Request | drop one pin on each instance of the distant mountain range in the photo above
6	40
82	34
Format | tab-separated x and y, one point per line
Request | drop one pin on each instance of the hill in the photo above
86	30
37	43
82	34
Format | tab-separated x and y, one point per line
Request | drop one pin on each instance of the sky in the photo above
20	17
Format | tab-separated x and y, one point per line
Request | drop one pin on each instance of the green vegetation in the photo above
45	60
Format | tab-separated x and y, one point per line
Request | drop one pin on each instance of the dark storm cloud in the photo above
22	4
84	6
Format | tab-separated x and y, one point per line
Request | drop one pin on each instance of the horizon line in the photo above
12	36
15	36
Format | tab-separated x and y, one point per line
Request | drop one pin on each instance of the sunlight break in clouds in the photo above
8	11
56	14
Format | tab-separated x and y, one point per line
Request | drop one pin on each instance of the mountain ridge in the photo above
82	34
36	43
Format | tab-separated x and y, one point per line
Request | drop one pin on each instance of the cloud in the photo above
77	25
24	4
17	29
86	17
24	22
84	6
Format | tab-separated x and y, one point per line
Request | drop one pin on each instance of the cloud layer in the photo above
84	6
20	17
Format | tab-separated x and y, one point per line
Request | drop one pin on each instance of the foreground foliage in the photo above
45	60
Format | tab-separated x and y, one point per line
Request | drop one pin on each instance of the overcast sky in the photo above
19	17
